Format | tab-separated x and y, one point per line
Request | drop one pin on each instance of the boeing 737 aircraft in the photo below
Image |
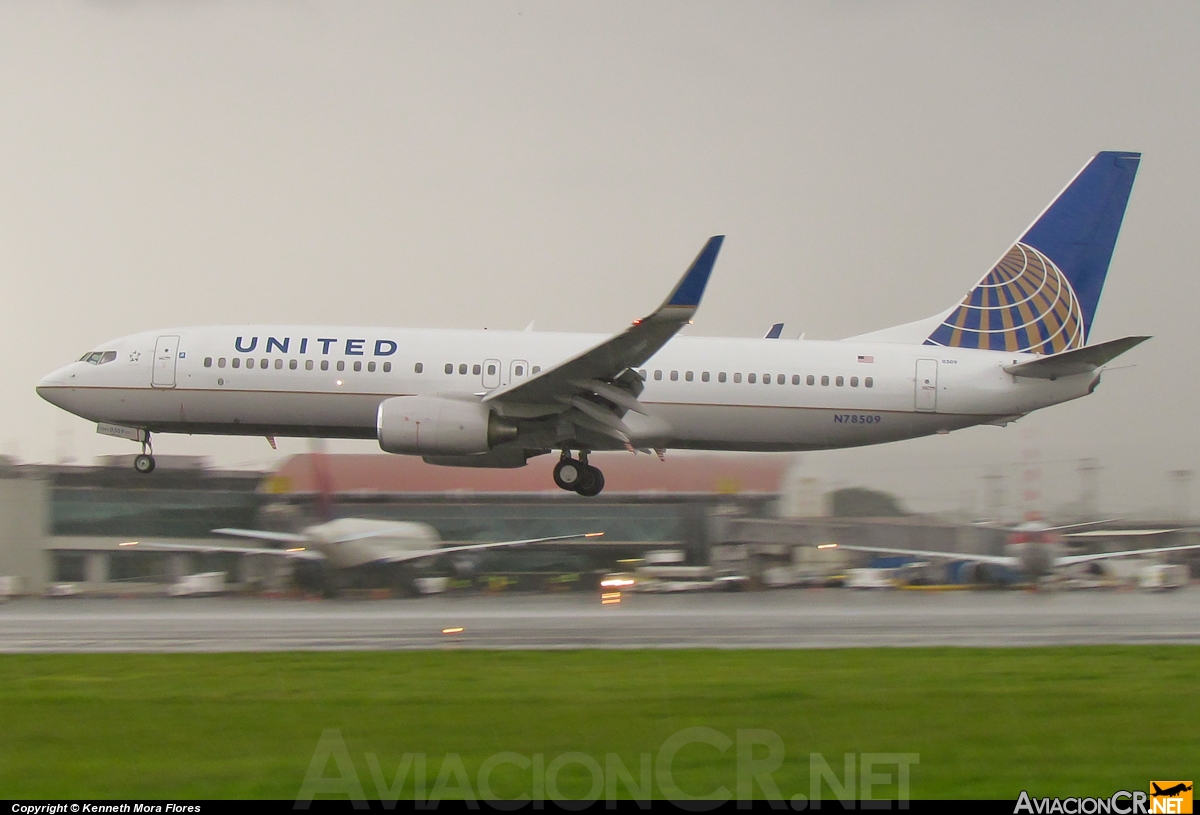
1014	344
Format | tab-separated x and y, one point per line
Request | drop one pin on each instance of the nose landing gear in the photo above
144	463
576	475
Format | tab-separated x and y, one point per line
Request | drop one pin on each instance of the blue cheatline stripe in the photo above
1079	230
691	288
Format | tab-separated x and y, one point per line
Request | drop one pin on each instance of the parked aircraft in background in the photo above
340	553
1034	549
352	552
1016	343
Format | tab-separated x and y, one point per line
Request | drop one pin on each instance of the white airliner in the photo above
1034	550
1014	344
348	552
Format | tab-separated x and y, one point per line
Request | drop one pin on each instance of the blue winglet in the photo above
691	287
775	332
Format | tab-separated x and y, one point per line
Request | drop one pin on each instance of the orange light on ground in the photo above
827	546
610	597
456	630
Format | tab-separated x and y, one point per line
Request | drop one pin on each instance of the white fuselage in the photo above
701	392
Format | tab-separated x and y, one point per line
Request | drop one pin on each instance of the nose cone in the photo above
51	386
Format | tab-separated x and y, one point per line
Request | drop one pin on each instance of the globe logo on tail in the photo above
1024	304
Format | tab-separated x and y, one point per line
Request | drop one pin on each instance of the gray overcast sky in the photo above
488	164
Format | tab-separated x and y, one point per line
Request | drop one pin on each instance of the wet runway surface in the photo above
813	618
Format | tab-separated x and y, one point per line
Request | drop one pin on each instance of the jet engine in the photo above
435	426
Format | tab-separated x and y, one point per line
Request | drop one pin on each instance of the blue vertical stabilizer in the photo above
1041	297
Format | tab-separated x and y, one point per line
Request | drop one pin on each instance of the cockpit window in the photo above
98	357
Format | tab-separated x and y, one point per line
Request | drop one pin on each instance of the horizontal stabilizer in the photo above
1071	363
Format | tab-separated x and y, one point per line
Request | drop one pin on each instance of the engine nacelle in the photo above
433	426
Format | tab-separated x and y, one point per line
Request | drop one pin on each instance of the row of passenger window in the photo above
518	370
767	378
779	379
293	364
493	369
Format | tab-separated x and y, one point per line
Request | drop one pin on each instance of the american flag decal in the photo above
862	358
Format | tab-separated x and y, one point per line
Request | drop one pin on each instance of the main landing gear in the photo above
144	463
576	475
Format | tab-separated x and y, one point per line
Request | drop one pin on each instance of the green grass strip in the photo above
1080	721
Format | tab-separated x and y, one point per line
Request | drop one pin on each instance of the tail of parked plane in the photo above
1041	296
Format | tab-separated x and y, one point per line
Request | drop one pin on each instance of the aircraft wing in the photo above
604	370
475	547
998	560
1071	560
297	553
1079	361
261	535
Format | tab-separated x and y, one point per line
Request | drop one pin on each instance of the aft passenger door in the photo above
925	395
166	351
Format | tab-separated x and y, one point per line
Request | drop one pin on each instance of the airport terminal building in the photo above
77	529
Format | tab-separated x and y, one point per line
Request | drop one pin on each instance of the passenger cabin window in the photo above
462	368
780	379
795	379
236	362
658	375
721	376
387	367
264	363
208	362
491	368
536	369
737	378
279	364
704	376
674	376
357	365
688	376
811	380
341	366
840	381
221	362
293	364
824	380
324	365
869	382
477	369
370	366
419	367
308	364
854	381
520	370
751	378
